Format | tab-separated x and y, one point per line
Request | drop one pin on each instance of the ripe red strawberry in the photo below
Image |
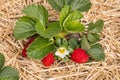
79	56
48	60
25	47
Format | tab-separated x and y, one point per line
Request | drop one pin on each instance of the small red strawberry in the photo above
25	47
79	56
48	60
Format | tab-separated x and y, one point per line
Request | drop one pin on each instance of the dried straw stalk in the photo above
108	10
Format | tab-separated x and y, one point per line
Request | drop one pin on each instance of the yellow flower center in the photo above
62	51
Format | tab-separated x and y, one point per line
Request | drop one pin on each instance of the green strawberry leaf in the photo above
51	30
67	2
81	5
91	26
74	16
73	42
96	53
2	60
24	28
97	27
9	73
74	27
93	38
57	4
67	16
96	46
8	78
39	48
38	12
84	43
69	21
64	14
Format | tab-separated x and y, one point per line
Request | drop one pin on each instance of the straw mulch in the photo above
29	69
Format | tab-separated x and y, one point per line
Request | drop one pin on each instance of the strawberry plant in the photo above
59	36
7	72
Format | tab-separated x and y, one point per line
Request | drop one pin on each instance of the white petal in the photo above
57	53
67	52
62	56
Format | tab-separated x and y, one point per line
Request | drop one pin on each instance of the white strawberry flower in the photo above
61	52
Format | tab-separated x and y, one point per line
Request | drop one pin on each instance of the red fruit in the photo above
79	56
48	60
25	47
